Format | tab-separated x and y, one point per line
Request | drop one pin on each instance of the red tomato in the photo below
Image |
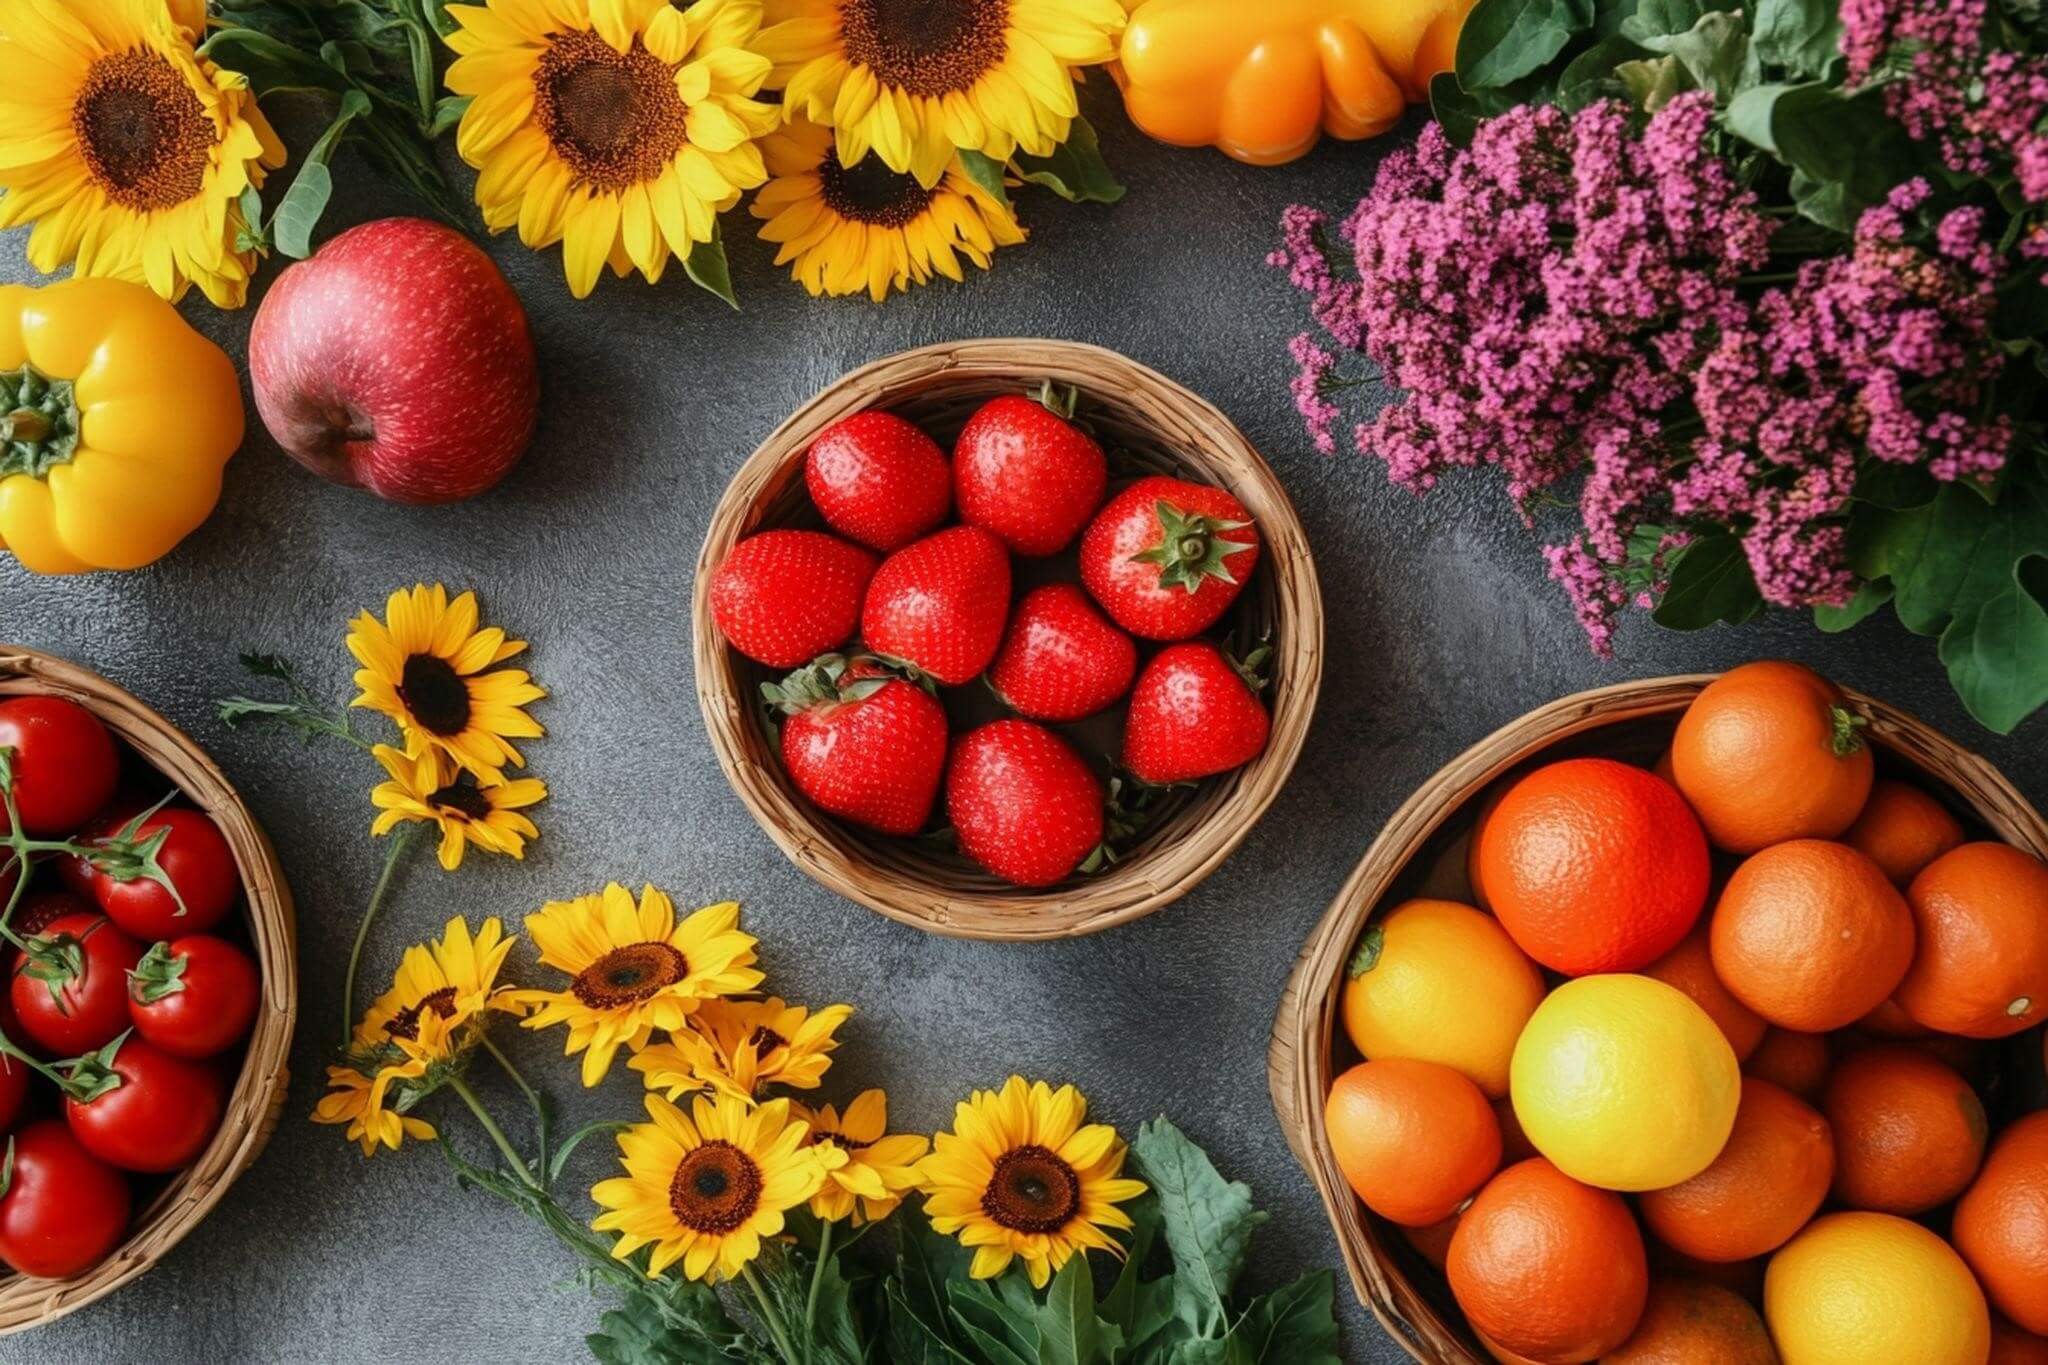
37	911
196	857
65	763
76	873
72	996
194	996
14	1075
64	1209
160	1115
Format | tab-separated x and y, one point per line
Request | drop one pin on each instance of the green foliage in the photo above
1710	582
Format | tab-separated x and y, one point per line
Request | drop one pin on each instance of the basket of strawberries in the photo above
1007	639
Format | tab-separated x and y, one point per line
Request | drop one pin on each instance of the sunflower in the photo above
866	228
737	1047
428	667
454	978
430	787
915	81
633	969
880	1166
127	150
1021	1177
705	1187
358	1099
620	128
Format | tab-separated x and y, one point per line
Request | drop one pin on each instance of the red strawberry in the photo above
784	597
1061	659
1194	712
1023	471
1026	806
878	479
861	742
1167	557
939	604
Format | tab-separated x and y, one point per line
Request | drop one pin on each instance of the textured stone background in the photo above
1441	627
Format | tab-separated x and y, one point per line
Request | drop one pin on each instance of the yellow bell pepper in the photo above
116	419
1262	79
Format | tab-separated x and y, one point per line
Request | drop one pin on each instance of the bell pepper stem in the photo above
26	424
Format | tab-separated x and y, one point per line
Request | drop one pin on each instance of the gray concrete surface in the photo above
1441	627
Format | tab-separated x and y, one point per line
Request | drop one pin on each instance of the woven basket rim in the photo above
257	1097
1300	1068
1166	867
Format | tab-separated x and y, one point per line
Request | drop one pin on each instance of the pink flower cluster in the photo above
1581	297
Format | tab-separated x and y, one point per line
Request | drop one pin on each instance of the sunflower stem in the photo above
769	1317
401	839
818	1277
533	1097
495	1133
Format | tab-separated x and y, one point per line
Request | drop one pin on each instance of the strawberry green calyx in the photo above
1060	400
1128	810
1191	548
820	682
1252	666
158	974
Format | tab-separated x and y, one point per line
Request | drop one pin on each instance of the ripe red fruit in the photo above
64	1209
785	597
1167	557
878	479
193	853
194	996
939	605
396	358
1061	660
156	1112
64	762
861	742
1024	804
1194	712
1023	471
70	990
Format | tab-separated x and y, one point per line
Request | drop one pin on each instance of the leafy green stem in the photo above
401	839
495	1134
769	1317
818	1275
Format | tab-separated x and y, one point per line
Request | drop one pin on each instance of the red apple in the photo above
397	359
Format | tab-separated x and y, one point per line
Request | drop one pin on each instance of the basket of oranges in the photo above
1696	1018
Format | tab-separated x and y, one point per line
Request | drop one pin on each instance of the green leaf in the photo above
707	267
272	66
1651	83
1069	1332
1868	598
1749	114
987	172
1139	1307
1294	1325
1802	36
1711	581
1075	171
921	1329
1505	40
1849	151
1714	51
1895	485
1590	76
1208	1222
1003	1334
300	209
448	111
638	1332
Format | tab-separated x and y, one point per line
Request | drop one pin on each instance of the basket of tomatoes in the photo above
150	987
1007	639
1697	1018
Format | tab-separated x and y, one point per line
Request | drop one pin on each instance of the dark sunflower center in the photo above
927	47
869	192
843	1142
632	973
435	694
716	1188
406	1023
144	135
463	798
615	117
1032	1190
766	1040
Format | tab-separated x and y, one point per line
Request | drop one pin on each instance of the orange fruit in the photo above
1432	1243
1414	1138
1547	1267
1810	935
1690	967
1769	752
1889	1021
1487	806
1593	866
1981	912
1502	1355
1770	1177
1909	1132
1903	829
1688	1322
2001	1223
1441	982
2011	1346
1790	1060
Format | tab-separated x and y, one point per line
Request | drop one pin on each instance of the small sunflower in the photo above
705	1187
429	786
736	1047
865	228
428	667
359	1099
633	969
453	977
619	128
915	81
1020	1177
880	1166
127	150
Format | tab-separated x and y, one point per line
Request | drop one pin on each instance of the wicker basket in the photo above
1422	852
259	1091
1148	423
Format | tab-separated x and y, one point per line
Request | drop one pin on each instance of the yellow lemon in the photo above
1856	1288
1441	982
1625	1083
